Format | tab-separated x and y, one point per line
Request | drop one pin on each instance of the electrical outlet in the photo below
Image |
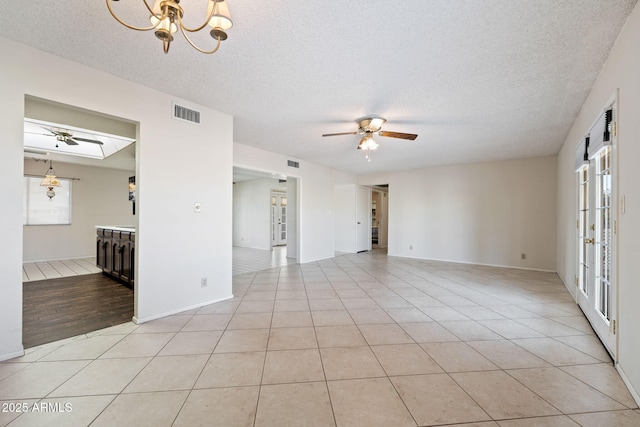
203	282
523	256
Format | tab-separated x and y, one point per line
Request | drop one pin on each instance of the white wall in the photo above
482	213
252	212
99	197
620	71
177	164
315	197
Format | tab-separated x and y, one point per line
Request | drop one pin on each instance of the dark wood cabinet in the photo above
115	254
104	255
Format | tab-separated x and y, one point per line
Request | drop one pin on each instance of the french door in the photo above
596	293
278	219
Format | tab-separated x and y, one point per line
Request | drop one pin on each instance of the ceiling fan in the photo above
67	137
368	127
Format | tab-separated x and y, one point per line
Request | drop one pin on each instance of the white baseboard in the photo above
13	355
139	320
626	381
475	263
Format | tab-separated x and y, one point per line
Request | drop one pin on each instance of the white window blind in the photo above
582	158
38	209
600	134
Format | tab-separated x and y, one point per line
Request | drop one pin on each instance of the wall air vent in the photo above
186	114
293	164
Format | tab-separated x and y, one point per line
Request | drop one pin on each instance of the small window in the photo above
39	209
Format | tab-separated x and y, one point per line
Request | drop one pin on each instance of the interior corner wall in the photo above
620	72
11	176
480	213
101	198
252	212
176	247
316	193
292	218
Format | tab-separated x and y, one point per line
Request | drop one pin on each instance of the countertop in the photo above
130	228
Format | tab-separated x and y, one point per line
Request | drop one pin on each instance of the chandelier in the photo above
50	181
166	19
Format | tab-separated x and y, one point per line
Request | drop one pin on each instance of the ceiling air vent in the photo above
293	164
186	114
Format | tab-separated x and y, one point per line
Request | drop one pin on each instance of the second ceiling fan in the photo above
67	137
368	127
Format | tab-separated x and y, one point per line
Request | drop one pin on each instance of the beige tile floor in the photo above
357	340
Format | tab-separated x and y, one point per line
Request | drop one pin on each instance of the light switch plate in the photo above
197	207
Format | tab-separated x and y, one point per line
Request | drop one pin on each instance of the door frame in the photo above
382	215
605	329
278	195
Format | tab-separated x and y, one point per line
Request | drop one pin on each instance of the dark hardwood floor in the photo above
55	309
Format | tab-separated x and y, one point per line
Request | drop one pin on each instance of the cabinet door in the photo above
114	249
125	257
132	259
107	243
100	252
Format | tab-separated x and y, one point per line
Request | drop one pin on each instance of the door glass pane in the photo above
603	233
583	229
273	223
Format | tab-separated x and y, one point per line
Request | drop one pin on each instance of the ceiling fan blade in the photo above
400	135
342	133
70	141
51	130
93	141
39	133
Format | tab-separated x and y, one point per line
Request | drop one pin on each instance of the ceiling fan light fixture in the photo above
368	143
368	127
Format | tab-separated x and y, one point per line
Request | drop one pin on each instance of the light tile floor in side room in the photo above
357	340
245	260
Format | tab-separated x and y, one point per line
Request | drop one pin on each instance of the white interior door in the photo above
596	293
278	219
363	219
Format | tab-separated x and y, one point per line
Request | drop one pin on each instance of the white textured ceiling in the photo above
477	80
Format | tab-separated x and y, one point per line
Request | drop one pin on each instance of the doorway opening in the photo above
65	293
379	216
265	226
278	218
